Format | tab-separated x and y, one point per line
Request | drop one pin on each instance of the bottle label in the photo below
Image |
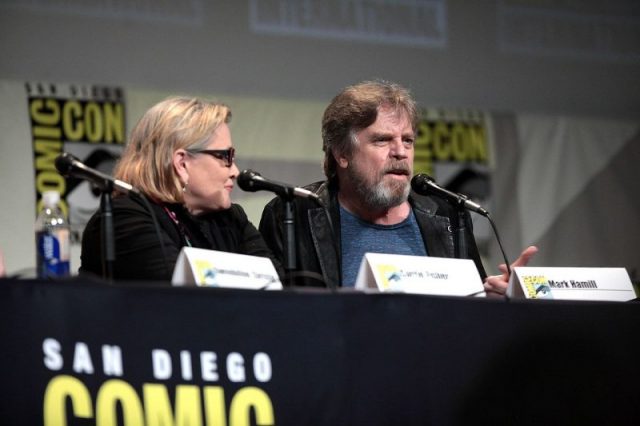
53	253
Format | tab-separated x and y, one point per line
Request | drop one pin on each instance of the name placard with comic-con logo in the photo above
604	284
419	275
212	268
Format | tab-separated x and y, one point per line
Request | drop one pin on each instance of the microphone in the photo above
70	166
252	181
424	184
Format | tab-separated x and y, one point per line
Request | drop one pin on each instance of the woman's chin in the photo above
218	207
200	210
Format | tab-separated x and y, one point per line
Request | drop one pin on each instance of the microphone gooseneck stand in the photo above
70	166
461	247
107	230
425	185
495	232
291	272
459	201
289	235
108	242
251	181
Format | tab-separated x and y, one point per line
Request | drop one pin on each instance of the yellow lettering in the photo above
46	153
422	159
458	139
71	120
60	388
50	181
478	143
423	141
113	393
214	407
47	132
45	112
113	123
441	148
117	400
188	411
93	122
251	398
449	141
158	407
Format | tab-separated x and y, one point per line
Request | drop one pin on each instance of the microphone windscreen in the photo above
420	183
245	180
64	163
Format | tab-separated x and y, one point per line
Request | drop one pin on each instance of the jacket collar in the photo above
436	230
325	231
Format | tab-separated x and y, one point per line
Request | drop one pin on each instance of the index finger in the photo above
525	256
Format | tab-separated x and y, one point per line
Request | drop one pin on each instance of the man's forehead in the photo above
389	117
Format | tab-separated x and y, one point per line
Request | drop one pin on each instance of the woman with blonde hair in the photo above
180	157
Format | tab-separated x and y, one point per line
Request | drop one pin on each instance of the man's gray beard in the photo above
380	196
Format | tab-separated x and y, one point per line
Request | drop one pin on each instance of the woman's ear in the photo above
180	165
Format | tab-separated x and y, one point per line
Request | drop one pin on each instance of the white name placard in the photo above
606	284
419	275
210	268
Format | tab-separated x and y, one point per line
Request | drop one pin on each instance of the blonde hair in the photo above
175	123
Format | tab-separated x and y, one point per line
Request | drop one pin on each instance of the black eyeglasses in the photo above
227	155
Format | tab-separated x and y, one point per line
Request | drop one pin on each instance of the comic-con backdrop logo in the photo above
86	121
454	146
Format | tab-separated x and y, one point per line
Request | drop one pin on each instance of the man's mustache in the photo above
400	167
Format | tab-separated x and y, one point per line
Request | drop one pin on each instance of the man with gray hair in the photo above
368	133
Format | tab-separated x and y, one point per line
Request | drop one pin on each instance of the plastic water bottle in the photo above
52	239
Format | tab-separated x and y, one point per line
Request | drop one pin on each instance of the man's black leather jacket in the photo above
317	233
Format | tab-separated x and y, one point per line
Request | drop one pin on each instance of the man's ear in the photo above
341	159
180	157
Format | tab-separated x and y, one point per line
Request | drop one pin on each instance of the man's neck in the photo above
390	216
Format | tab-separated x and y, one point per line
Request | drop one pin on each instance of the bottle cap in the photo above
50	199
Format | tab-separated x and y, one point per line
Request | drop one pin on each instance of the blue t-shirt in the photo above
360	237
